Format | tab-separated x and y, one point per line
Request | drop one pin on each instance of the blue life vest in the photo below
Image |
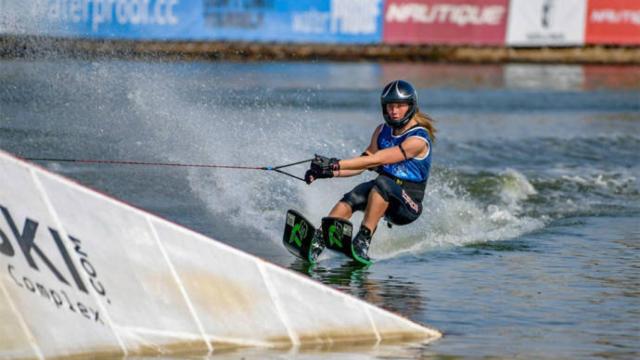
413	170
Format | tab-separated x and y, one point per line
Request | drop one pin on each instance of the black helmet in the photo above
399	91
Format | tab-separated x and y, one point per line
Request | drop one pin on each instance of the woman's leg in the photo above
341	210
375	210
376	207
354	200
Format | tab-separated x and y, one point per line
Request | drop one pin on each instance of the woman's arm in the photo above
412	146
371	149
347	173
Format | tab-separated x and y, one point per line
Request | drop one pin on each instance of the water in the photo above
529	243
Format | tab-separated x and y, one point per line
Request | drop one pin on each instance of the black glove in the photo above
310	176
321	168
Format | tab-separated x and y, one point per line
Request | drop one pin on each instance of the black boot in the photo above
360	246
317	246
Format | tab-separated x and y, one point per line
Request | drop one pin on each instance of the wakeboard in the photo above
336	234
299	235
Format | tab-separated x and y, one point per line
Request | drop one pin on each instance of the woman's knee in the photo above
356	199
375	197
341	210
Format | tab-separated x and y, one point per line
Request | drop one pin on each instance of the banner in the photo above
445	21
327	21
546	22
613	22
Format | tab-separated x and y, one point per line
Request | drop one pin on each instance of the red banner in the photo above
613	22
445	21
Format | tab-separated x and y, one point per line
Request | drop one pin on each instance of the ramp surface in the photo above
82	273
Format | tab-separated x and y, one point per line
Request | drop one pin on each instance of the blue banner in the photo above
317	21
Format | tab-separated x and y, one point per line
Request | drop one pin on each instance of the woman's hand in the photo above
321	167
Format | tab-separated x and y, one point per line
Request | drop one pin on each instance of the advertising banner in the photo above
445	21
613	22
329	21
546	22
126	19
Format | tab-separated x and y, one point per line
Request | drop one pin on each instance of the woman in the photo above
400	152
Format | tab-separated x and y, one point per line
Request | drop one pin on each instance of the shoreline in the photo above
16	47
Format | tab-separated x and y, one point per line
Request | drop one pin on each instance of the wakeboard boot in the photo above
360	246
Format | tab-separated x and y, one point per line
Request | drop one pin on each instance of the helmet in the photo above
399	91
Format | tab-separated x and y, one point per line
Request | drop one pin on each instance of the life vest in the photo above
415	170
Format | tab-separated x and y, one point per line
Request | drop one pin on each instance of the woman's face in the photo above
397	111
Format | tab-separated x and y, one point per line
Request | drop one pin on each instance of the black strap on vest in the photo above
403	152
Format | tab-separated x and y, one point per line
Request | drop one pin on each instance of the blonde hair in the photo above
427	122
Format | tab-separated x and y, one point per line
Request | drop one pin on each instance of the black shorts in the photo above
402	208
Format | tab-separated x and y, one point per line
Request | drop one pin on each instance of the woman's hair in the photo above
427	122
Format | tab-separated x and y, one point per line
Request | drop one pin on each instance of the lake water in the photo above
529	244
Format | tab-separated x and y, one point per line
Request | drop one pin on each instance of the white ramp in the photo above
83	274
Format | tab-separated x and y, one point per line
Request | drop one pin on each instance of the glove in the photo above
310	176
321	168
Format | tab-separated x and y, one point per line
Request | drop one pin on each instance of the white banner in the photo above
546	22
